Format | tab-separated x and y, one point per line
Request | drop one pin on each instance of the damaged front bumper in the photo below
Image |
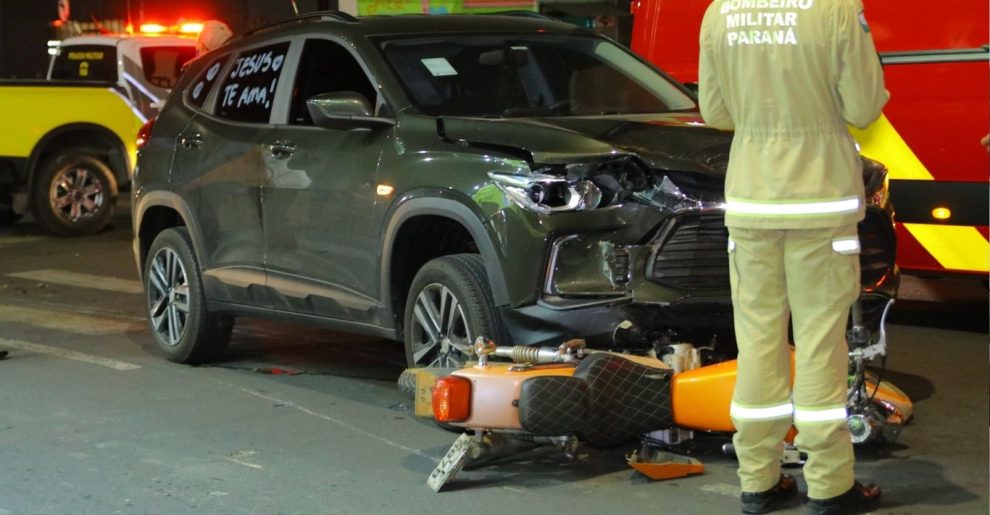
675	282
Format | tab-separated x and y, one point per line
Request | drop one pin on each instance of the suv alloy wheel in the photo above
449	306
183	329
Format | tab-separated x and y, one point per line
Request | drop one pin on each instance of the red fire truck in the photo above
935	57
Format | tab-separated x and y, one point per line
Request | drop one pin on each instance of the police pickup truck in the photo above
69	142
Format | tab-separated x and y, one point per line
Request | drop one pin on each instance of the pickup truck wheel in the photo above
183	328
73	194
449	305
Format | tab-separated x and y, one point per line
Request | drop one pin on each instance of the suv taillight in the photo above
144	133
452	399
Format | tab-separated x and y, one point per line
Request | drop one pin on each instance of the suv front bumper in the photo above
676	283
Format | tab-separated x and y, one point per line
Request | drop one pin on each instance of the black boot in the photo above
770	500
857	499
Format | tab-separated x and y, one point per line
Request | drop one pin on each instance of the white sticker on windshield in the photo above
439	67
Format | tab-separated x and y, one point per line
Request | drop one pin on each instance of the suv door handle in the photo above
191	141
282	149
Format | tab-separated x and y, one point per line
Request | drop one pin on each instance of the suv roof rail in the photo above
307	17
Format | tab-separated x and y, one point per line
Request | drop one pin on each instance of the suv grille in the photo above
690	253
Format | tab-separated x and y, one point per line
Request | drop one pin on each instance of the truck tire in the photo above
182	327
73	194
449	305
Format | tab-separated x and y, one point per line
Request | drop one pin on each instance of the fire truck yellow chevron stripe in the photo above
955	247
882	142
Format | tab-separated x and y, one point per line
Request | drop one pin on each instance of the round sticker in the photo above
213	71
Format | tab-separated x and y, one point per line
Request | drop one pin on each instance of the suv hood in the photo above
676	141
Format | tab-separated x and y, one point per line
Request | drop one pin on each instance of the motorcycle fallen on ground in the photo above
569	395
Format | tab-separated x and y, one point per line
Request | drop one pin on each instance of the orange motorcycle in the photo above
568	395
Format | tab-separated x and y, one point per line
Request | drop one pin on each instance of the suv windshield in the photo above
516	75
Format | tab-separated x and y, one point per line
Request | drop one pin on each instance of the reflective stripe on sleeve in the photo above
765	413
849	205
848	245
820	415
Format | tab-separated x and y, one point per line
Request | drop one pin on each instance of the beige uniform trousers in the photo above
812	275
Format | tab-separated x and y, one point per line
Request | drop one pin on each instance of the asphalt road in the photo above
302	420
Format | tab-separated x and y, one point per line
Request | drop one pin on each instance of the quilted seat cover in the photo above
609	400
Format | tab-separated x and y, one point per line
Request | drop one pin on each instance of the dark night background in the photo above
25	25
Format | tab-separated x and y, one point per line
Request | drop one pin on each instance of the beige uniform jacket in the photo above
787	75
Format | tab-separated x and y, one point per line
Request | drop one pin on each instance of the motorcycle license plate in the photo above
451	463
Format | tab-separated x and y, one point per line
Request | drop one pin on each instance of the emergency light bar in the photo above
158	28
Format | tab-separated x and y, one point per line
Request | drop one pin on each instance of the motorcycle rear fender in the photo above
495	392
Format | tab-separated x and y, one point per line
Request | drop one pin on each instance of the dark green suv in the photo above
436	178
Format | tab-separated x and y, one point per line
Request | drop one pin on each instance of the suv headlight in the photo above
552	189
548	194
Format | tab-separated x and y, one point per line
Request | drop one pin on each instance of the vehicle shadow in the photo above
279	348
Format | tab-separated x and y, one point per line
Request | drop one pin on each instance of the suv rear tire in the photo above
73	194
182	327
449	305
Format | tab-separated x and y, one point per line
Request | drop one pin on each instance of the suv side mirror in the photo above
344	110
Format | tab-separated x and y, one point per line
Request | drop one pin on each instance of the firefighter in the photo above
787	76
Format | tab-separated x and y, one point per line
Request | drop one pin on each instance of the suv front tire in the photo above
448	307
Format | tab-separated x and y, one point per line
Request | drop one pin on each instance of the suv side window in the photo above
201	88
325	67
248	90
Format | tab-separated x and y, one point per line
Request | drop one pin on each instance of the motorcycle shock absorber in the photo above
524	354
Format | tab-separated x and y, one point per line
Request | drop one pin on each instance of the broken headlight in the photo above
548	194
552	189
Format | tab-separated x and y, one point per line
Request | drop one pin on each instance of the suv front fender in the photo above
458	212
